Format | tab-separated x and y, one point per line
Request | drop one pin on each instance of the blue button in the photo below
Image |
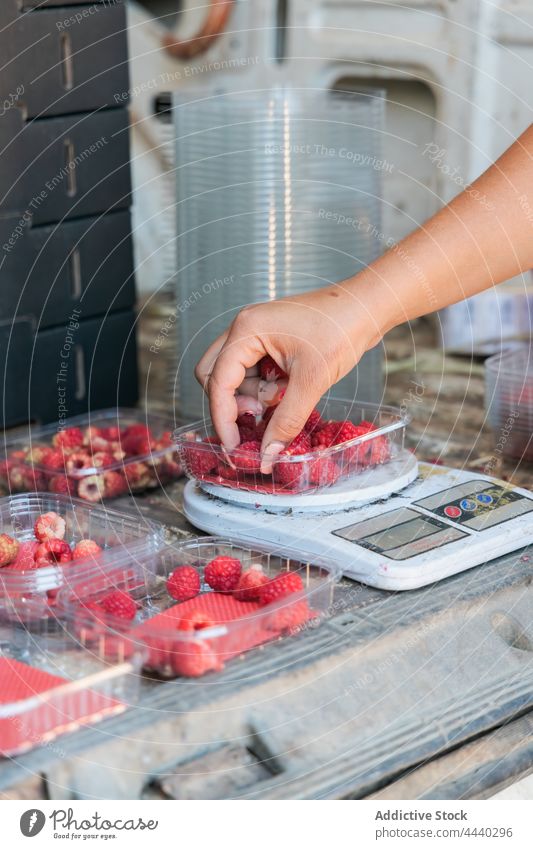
483	498
468	505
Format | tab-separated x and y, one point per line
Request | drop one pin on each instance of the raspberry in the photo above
269	369
49	526
314	422
280	587
183	583
324	472
25	558
334	433
37	454
196	620
194	658
292	475
53	551
78	460
91	488
247	457
33	479
62	485
8	549
288	616
223	573
16	478
379	450
72	437
91	433
250	584
111	434
53	459
86	548
137	476
200	459
226	472
114	484
119	604
102	459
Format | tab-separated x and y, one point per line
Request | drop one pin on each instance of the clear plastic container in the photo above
30	593
509	401
51	686
122	451
227	626
298	473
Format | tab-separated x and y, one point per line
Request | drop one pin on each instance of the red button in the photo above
452	512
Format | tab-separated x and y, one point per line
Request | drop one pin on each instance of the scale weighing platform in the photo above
397	527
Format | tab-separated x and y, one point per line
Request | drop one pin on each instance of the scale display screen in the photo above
400	534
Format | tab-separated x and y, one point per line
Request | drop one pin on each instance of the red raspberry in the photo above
62	485
223	573
111	434
91	488
314	422
194	658
250	584
324	472
201	459
137	476
90	433
334	433
292	475
25	558
281	586
196	620
226	472
86	548
379	450
119	604
53	551
288	616
247	427
137	429
49	526
183	583
8	549
16	478
54	459
71	437
78	460
37	454
247	457
114	484
269	369
34	480
102	459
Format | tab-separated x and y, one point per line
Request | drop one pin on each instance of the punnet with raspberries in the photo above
204	602
94	457
340	440
48	540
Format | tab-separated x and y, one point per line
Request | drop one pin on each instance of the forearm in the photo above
484	236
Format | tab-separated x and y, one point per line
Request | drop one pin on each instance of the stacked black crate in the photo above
67	321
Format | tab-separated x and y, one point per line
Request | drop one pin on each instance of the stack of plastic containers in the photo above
278	193
509	401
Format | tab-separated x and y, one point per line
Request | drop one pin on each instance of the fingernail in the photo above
270	455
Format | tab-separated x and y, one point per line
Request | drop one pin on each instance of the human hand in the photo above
315	338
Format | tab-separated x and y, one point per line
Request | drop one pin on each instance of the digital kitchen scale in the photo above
397	526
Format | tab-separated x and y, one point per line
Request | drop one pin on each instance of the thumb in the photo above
300	398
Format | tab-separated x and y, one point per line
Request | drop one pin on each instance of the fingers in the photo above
228	373
301	396
205	366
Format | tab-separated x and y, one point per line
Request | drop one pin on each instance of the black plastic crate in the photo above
64	371
52	270
63	60
72	166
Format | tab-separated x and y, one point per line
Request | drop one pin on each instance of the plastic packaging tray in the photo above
237	625
96	469
304	472
47	692
509	400
125	538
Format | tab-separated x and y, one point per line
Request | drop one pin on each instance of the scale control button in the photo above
468	505
452	512
483	498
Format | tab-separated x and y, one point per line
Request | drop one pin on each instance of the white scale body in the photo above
397	527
